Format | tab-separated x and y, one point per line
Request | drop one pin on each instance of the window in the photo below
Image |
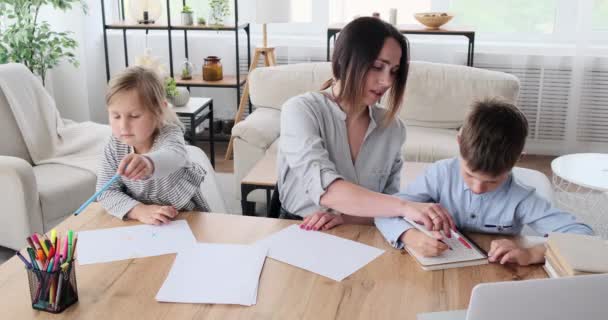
200	9
516	16
599	20
342	10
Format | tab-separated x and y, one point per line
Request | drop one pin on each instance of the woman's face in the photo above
383	71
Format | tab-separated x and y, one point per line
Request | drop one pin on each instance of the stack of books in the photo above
572	254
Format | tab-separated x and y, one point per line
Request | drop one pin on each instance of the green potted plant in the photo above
170	87
219	9
187	16
26	39
176	96
201	21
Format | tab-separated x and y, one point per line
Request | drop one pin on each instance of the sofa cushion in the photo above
260	128
272	86
62	190
429	144
440	95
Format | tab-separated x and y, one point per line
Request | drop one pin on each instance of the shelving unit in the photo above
231	81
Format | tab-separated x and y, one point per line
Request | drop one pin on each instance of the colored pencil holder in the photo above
53	291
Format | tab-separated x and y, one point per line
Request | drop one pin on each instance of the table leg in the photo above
471	51
211	137
328	39
268	202
248	207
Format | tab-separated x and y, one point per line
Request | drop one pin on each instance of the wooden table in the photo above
469	33
263	175
392	286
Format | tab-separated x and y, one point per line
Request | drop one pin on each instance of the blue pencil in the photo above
91	199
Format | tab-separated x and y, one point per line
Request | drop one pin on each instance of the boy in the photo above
479	190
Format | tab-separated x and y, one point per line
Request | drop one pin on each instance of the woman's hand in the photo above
152	214
432	215
135	167
321	220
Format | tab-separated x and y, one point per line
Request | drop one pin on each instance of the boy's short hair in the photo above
493	136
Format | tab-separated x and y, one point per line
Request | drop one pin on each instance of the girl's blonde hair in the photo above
150	89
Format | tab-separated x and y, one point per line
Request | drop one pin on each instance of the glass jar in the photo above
212	69
187	70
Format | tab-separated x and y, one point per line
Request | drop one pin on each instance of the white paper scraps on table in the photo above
113	244
215	274
318	252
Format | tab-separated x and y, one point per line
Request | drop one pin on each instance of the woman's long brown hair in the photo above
356	49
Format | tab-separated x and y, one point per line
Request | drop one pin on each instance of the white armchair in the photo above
38	192
436	102
34	198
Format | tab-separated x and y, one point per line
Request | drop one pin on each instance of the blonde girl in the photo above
147	150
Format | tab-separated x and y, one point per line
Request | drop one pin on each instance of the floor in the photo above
224	169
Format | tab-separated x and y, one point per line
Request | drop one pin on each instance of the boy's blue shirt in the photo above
503	211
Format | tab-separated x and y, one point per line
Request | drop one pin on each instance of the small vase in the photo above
212	69
187	70
217	126
187	19
182	97
227	127
216	17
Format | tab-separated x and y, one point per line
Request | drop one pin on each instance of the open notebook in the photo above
459	256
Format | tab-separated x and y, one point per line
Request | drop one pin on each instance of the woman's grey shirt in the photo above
314	151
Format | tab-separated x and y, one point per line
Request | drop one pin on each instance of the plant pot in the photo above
187	19
182	97
227	127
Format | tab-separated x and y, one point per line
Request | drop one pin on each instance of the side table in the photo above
334	29
195	112
580	183
263	175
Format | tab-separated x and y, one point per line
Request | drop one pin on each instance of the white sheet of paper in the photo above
113	244
215	273
318	252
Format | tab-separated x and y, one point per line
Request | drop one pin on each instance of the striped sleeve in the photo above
169	153
114	200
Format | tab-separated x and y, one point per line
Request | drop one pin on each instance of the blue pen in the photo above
91	199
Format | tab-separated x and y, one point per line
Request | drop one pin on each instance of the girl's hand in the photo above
432	215
321	220
135	167
152	214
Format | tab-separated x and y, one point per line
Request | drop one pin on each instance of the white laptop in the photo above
580	297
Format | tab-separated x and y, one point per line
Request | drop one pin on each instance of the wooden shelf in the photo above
210	28
155	26
229	81
135	25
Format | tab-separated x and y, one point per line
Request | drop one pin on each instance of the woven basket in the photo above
433	20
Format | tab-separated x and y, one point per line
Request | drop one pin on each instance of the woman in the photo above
339	155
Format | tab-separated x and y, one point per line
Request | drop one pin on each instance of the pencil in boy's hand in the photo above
92	198
424	230
461	239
